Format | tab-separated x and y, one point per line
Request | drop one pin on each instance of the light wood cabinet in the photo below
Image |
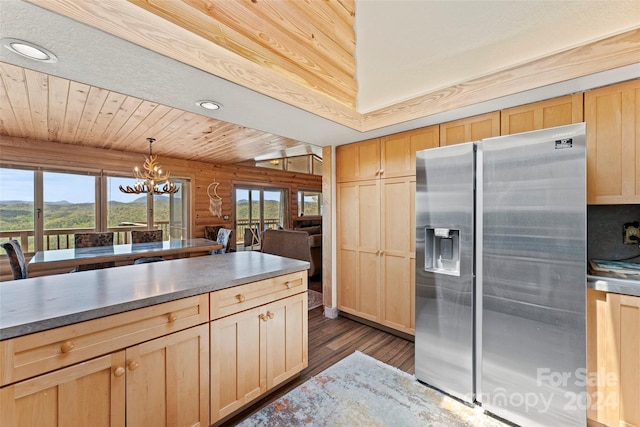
398	151
613	144
549	113
613	358
623	360
86	394
358	247
470	129
387	157
358	161
397	255
162	365
376	235
256	350
167	380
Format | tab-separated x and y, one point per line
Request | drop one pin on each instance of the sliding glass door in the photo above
256	209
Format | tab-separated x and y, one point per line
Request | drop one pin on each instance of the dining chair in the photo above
220	235
146	236
16	259
92	240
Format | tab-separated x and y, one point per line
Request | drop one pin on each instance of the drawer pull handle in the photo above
240	297
288	285
67	347
172	317
119	371
263	317
133	365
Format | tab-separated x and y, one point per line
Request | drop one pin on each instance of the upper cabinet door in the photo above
470	129
554	112
613	144
398	152
358	161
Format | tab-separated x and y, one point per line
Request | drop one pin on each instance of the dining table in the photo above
120	254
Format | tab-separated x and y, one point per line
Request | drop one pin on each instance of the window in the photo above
42	209
309	203
258	209
69	206
17	207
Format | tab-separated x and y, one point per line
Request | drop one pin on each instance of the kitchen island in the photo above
151	344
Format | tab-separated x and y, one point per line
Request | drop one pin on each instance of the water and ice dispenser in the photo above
442	251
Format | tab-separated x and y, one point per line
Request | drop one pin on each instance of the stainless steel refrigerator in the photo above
501	274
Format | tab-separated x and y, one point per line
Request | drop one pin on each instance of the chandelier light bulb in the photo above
147	179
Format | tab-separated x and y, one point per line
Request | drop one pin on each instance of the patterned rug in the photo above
315	299
362	391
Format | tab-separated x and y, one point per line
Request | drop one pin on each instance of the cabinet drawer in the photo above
45	351
238	298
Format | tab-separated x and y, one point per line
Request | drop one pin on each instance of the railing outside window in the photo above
63	238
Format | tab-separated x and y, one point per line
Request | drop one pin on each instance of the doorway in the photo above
257	209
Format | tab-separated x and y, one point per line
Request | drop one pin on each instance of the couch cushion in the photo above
315	241
310	230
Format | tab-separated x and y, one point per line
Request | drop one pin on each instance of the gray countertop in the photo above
41	303
618	286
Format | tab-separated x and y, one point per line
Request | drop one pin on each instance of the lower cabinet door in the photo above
168	380
287	338
255	350
238	368
91	393
623	360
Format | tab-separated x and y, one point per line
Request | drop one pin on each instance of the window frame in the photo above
101	206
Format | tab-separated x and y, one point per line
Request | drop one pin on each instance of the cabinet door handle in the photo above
270	315
262	317
172	317
67	346
119	371
133	365
380	172
240	297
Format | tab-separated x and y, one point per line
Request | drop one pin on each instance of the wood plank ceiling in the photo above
310	42
35	105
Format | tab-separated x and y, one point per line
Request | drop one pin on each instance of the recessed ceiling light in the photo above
209	105
29	50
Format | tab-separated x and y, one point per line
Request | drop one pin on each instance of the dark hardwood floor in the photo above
331	340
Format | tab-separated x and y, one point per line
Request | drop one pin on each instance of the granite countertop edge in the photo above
278	266
613	285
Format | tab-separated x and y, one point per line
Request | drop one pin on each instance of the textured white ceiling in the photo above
406	48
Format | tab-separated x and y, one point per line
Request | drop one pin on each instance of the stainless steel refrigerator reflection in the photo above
501	274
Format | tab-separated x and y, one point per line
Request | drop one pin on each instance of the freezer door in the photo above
533	205
444	269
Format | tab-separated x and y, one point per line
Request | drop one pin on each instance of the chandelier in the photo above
151	177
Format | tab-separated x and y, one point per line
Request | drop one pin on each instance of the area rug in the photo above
315	299
362	391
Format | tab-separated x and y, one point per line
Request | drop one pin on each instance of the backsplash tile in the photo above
604	231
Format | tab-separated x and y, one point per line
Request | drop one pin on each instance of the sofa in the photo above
295	244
